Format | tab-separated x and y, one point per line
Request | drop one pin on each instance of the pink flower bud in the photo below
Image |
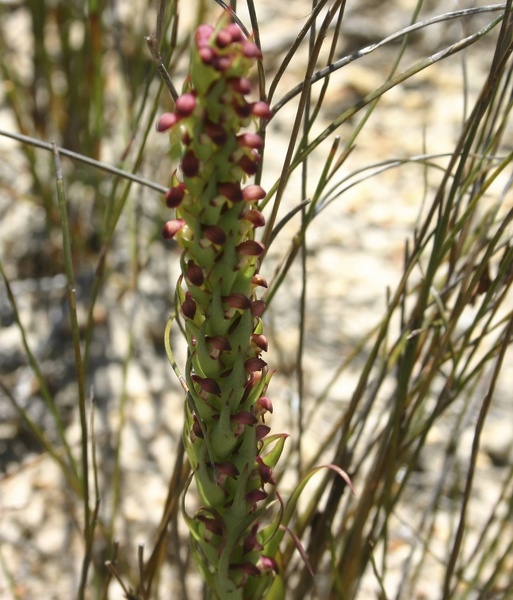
224	38
203	34
235	32
185	105
207	55
251	50
269	564
166	121
261	109
264	404
253	192
171	228
250	140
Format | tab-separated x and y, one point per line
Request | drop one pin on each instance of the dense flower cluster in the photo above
215	219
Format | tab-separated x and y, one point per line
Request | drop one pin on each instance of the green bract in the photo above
227	378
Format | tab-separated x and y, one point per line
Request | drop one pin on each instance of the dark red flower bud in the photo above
246	567
216	133
256	495
239	301
257	308
228	469
260	340
190	164
265	472
255	217
253	192
174	195
231	191
189	306
249	163
194	273
196	428
214	234
212	524
219	342
250	248
262	431
254	363
166	121
244	418
251	541
207	384
171	228
185	105
243	110
258	280
242	85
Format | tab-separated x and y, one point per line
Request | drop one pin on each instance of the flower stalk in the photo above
215	217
